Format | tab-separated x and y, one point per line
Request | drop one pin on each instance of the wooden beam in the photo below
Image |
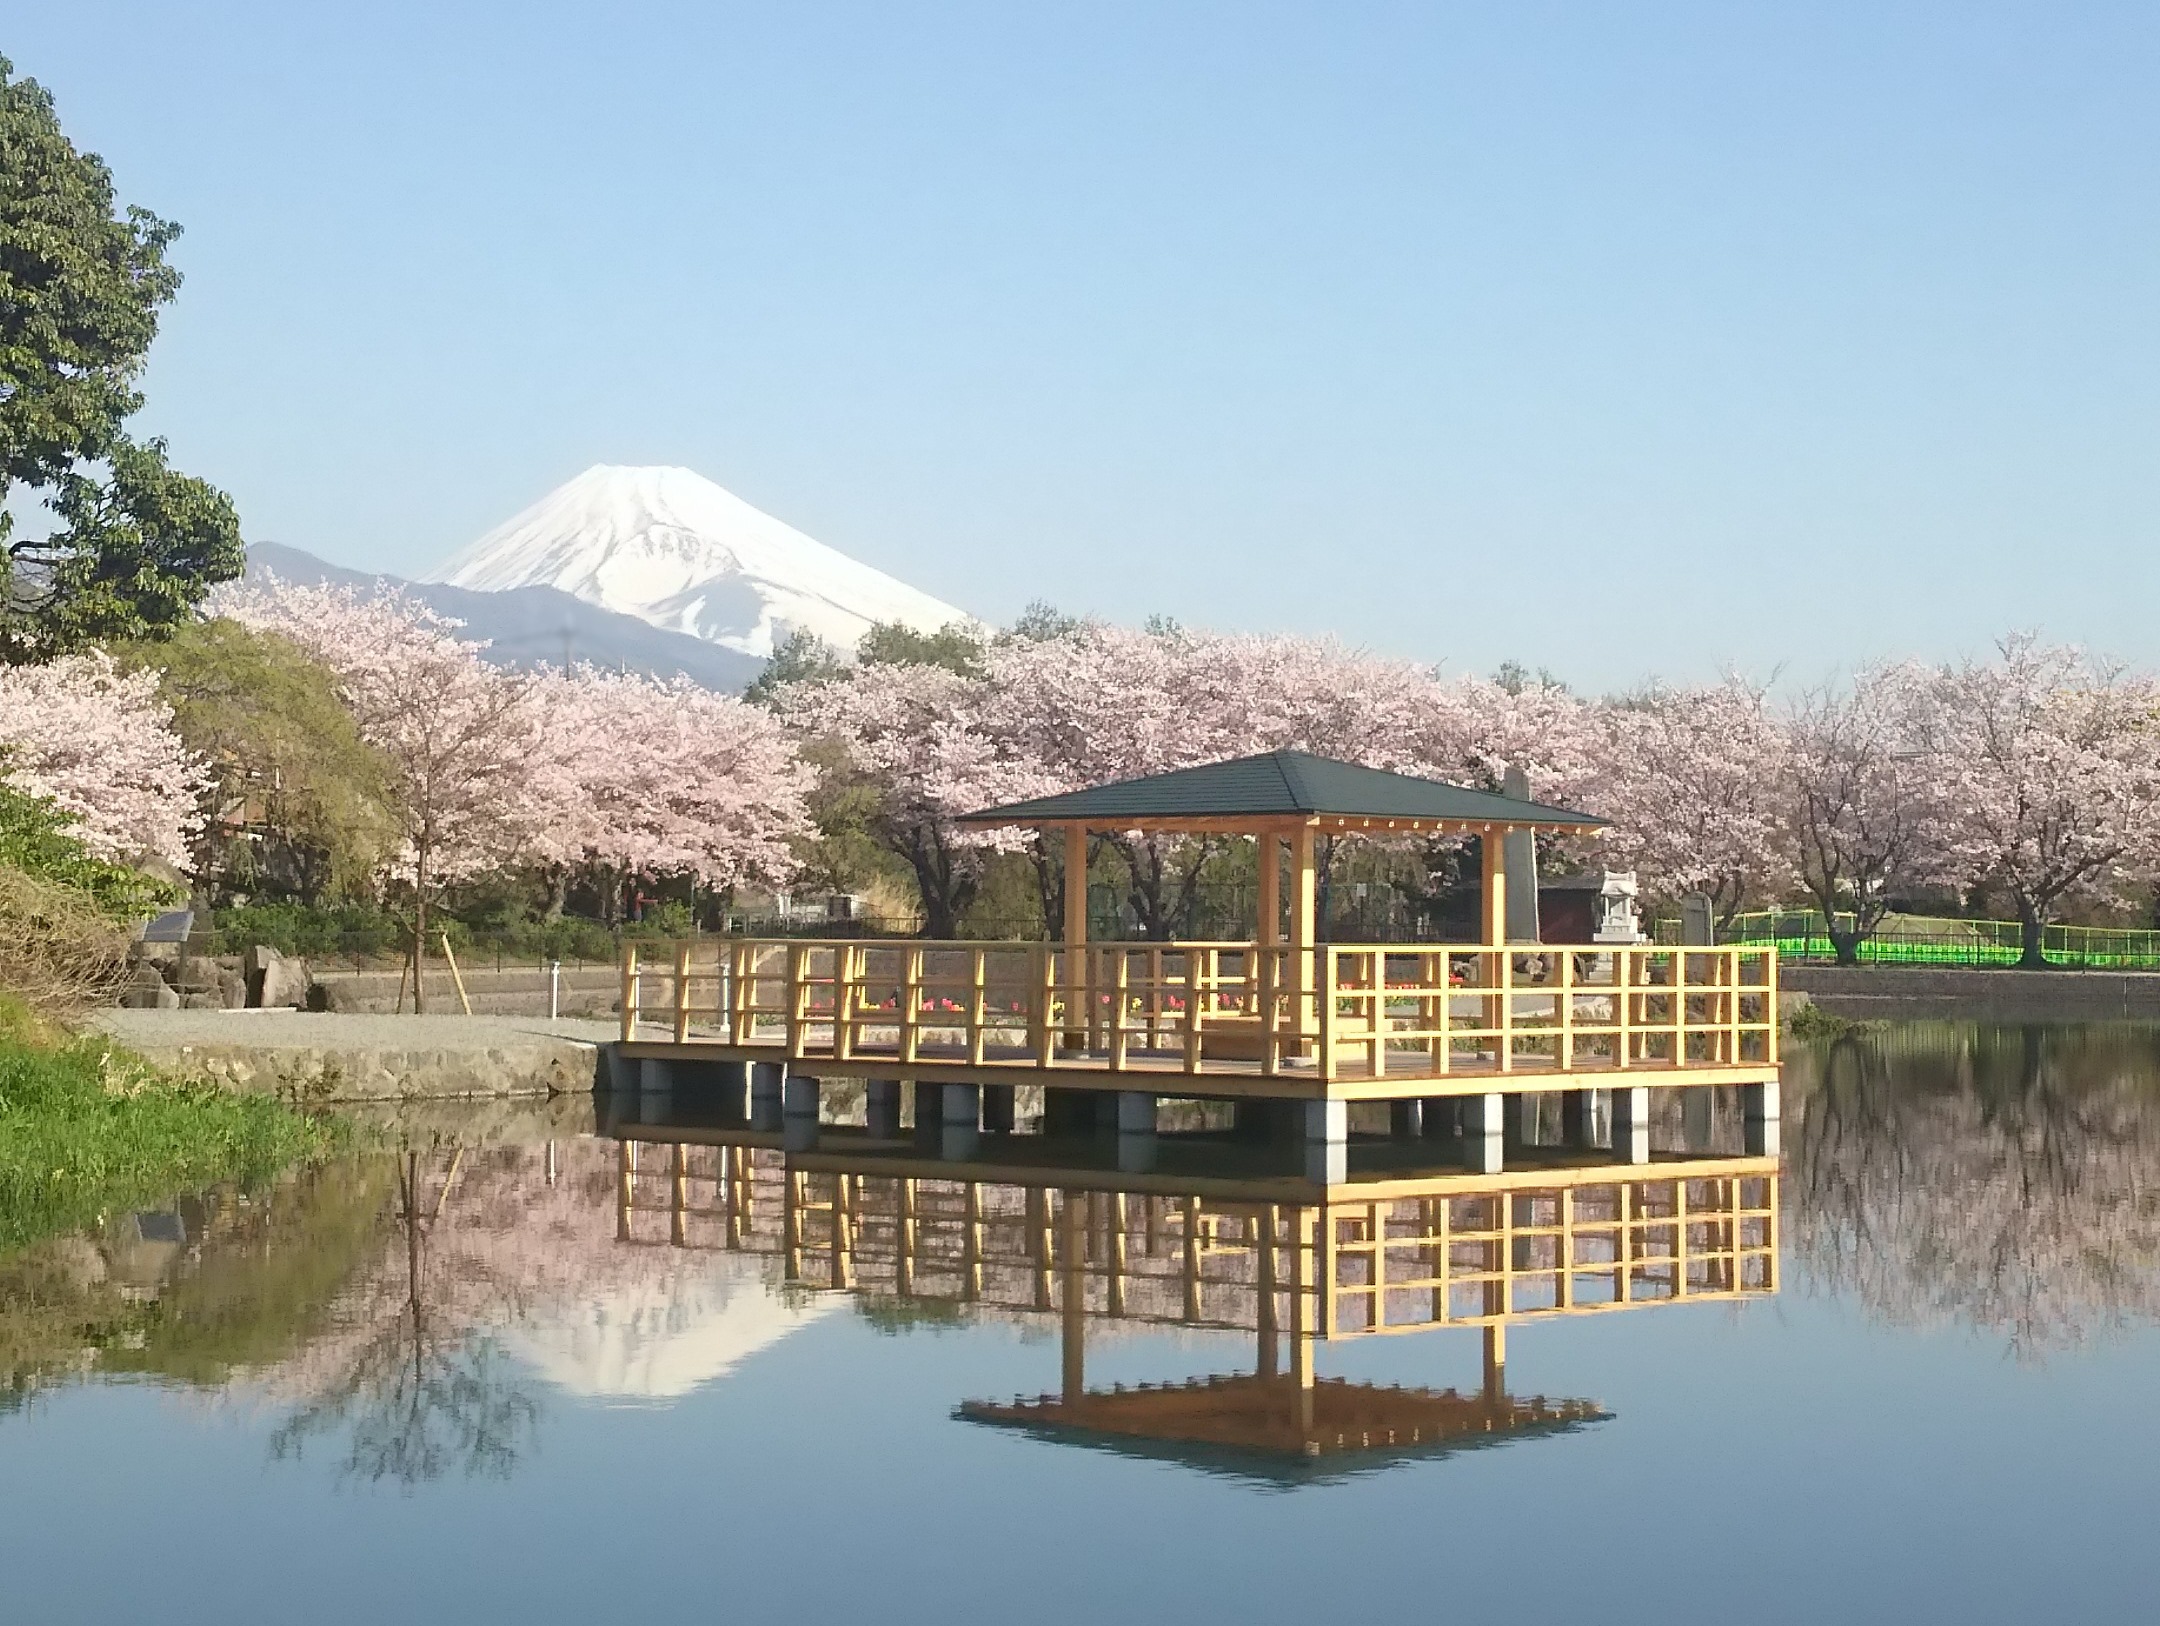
1492	867
1304	885
1076	933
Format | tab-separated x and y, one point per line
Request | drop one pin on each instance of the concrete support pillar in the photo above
1631	1125
1484	1139
998	1111
959	1119
1759	1116
655	1077
1521	1126
881	1107
1577	1109
1136	1144
765	1079
1406	1119
729	1082
1695	1120
799	1102
1327	1141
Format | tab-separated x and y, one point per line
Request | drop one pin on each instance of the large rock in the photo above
274	981
149	991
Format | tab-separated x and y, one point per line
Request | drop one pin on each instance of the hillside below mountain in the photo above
527	625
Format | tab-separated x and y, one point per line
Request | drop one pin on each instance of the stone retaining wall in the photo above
1973	993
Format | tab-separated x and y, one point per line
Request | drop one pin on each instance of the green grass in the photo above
86	1127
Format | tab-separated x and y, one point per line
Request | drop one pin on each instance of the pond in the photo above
511	1368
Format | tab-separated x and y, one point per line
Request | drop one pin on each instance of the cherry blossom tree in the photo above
2050	774
1863	811
462	739
665	778
915	734
1690	782
98	743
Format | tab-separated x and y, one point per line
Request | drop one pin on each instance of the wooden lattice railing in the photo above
1334	1011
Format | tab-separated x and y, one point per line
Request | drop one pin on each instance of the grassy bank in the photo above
85	1127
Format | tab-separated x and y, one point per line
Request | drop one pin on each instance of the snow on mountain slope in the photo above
675	550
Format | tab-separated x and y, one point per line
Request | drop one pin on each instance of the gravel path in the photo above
338	1056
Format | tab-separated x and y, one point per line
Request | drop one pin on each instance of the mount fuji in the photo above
672	549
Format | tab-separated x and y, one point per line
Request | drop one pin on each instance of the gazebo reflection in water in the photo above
1224	1234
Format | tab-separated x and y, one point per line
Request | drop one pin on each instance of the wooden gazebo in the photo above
1281	1015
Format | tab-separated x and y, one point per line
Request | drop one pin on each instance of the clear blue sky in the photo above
1623	338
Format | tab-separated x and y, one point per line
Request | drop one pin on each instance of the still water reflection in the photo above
507	1364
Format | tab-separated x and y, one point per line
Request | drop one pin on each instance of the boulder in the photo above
273	981
148	991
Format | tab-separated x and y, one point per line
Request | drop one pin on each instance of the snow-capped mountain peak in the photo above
677	551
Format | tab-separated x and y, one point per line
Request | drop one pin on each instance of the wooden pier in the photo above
1280	1017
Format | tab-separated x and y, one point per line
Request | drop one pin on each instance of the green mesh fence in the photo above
1800	934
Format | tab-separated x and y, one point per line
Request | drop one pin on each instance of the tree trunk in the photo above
1845	944
2032	934
419	936
558	893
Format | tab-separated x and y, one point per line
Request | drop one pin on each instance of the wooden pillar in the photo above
1073	1218
1492	868
1268	932
1076	933
1496	1362
1304	935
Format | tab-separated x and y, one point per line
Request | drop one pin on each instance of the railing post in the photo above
1623	999
682	993
629	992
1506	962
798	1005
1325	967
1194	958
911	997
1271	1047
1679	1006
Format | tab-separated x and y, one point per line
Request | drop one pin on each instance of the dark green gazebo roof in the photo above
1282	787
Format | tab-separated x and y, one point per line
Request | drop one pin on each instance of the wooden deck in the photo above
1342	1021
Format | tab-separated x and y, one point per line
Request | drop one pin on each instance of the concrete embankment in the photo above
324	1056
1965	993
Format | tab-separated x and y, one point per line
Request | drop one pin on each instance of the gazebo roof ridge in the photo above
1283	787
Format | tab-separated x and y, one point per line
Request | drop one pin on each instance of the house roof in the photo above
1283	787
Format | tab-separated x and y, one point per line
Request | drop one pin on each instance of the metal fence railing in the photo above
1801	935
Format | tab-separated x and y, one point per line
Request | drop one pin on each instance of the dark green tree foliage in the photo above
133	545
34	839
800	657
956	646
288	762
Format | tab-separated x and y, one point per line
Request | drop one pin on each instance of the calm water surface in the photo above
1908	1376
